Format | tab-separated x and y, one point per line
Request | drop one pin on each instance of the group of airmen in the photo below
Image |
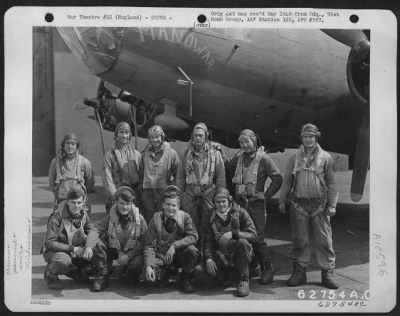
169	215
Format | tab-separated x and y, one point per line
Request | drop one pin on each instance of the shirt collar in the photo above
66	214
162	148
316	149
225	215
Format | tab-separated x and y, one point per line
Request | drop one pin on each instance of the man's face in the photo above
170	207
70	147
123	136
155	140
246	144
75	206
123	206
222	204
199	137
309	141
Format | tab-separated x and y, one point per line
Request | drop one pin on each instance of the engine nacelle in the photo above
358	71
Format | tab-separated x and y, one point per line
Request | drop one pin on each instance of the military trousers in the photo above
133	267
150	203
315	227
258	214
63	263
186	258
238	253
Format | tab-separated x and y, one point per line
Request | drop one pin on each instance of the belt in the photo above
303	212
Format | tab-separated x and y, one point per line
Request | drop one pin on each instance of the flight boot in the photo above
255	268
79	275
162	277
328	279
134	273
199	273
52	280
225	277
243	288
99	283
133	276
186	284
267	273
298	277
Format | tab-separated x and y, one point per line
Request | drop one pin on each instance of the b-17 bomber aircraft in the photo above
270	80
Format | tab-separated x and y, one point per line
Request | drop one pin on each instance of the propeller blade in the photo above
361	160
96	112
347	37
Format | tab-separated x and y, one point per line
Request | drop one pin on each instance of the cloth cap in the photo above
222	193
170	191
156	130
309	129
75	193
202	126
71	137
126	193
248	133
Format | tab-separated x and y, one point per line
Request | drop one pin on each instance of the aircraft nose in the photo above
97	47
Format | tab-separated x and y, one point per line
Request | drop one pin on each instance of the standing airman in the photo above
121	164
158	168
252	168
310	186
70	169
200	172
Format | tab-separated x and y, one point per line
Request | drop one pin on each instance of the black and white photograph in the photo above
229	161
